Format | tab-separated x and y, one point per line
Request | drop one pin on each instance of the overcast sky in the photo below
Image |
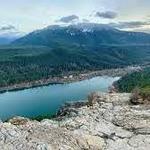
29	15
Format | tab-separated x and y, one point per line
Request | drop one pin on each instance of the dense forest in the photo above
29	63
137	82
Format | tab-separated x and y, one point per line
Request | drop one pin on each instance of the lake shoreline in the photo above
69	78
112	122
44	102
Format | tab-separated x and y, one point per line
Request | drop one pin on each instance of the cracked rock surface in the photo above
113	123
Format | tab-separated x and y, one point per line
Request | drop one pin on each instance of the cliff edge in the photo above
112	123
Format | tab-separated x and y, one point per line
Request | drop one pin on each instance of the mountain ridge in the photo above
86	34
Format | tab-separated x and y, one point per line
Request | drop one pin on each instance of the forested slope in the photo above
29	63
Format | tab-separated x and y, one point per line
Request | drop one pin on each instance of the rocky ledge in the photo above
112	123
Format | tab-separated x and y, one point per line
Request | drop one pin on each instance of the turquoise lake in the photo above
48	99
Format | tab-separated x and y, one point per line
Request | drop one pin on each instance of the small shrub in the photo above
92	98
145	93
18	121
136	96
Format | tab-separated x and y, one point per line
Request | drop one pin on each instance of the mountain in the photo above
7	40
58	51
83	34
4	41
7	36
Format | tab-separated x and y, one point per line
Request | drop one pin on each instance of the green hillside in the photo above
29	63
139	80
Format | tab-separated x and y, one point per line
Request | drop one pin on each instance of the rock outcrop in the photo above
112	123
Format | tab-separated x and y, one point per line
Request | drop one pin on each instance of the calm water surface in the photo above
48	99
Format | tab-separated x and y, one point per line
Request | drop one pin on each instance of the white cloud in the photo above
29	15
